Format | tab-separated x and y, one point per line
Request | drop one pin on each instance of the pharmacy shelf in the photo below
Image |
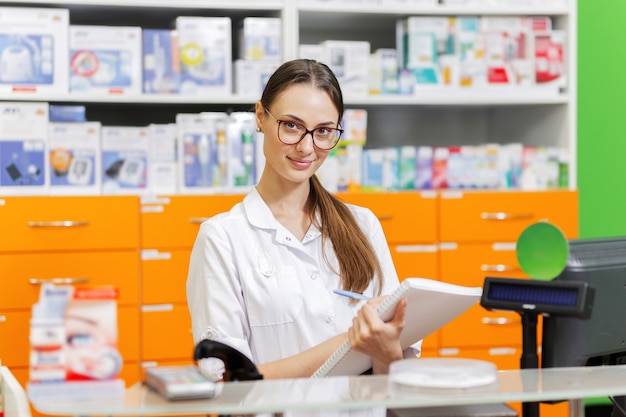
195	4
440	9
439	97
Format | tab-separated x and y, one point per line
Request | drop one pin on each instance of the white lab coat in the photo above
254	286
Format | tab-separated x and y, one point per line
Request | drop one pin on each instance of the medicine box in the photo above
33	50
105	60
349	61
250	76
196	135
162	159
161	62
260	38
241	146
74	158
23	148
124	160
205	45
549	50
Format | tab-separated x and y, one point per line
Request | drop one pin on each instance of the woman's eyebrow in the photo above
299	120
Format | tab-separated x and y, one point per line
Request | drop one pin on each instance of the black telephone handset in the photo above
238	367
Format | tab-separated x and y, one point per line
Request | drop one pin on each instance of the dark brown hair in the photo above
358	262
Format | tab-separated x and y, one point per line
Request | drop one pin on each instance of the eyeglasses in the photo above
291	133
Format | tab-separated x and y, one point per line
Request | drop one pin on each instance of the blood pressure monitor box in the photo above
33	50
124	160
23	148
74	158
105	60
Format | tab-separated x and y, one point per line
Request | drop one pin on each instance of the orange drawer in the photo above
405	216
164	276
166	332
172	222
503	215
469	263
479	327
69	223
415	261
21	284
14	333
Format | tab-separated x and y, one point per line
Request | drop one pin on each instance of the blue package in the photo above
60	113
161	66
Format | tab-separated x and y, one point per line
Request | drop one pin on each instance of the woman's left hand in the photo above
378	339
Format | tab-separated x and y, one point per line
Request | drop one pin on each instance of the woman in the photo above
261	276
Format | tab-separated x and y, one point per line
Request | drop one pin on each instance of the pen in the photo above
351	294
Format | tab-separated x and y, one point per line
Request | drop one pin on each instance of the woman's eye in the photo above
291	125
323	131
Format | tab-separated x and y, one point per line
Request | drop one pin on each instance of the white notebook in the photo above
430	305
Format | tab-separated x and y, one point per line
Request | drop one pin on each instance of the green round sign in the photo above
542	251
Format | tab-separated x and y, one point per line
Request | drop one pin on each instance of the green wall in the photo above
602	117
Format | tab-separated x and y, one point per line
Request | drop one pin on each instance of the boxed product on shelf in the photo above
420	41
470	50
507	53
23	148
162	163
205	54
105	60
407	167
250	76
424	168
195	135
74	158
241	150
161	62
311	51
383	72
349	61
124	159
33	50
549	56
219	154
63	113
260	38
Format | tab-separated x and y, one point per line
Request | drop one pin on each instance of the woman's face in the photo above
305	105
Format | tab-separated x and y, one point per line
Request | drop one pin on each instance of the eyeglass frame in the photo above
306	132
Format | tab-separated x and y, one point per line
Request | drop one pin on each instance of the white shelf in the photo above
435	10
443	98
198	4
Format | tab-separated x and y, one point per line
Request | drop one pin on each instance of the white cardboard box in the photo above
23	148
105	60
206	55
74	158
33	50
124	160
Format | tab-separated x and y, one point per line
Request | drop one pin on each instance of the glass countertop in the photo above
356	392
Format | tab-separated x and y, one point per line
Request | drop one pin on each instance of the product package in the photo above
23	148
74	158
162	159
206	55
349	61
242	153
195	136
73	339
260	38
105	60
124	160
161	61
33	50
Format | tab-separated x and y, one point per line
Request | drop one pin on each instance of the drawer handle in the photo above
61	223
498	268
386	217
505	216
198	220
498	321
39	281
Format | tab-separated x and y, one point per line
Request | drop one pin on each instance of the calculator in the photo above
180	382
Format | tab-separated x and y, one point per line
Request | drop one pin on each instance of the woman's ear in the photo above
259	112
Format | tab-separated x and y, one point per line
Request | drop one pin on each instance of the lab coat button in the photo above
288	239
329	320
313	277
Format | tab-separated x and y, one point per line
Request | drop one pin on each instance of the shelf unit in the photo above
442	117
